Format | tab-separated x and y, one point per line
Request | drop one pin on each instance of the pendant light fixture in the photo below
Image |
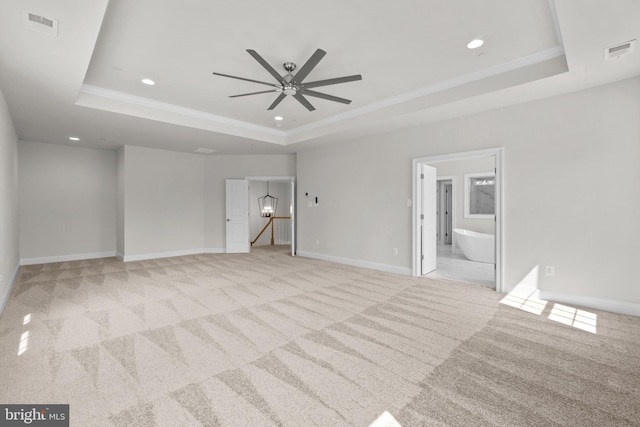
267	204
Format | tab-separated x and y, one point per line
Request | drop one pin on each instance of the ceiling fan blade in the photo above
253	93
302	100
242	78
265	64
325	96
334	81
308	66
277	101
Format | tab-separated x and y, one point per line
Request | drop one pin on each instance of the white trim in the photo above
65	258
215	250
142	257
7	294
499	197
357	263
189	112
613	306
533	59
168	254
287	137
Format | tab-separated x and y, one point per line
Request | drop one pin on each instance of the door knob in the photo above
228	220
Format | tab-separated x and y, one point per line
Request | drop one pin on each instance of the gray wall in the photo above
571	174
67	201
163	202
9	239
137	202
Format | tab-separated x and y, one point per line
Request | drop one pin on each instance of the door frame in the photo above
292	207
499	200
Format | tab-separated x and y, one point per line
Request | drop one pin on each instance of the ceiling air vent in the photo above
40	23
204	150
619	50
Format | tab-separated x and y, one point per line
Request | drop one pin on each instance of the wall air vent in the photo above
618	50
40	23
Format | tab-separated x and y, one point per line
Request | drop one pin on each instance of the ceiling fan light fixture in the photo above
290	90
475	43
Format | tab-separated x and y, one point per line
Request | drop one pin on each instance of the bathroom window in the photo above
479	195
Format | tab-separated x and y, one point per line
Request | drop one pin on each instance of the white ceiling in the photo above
411	54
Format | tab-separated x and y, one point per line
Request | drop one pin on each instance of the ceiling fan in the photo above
293	85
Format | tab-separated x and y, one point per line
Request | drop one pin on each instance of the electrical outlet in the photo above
395	251
550	270
409	202
317	241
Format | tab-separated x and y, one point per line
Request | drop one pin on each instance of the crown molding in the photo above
431	89
176	109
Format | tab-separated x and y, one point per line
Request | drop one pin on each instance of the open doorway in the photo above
473	177
277	227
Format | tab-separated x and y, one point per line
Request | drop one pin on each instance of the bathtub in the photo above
476	246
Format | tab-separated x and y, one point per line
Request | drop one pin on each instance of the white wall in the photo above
572	170
457	169
67	202
9	239
163	203
219	168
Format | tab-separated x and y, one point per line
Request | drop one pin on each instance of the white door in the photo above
237	196
428	219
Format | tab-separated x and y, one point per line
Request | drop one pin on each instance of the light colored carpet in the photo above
268	339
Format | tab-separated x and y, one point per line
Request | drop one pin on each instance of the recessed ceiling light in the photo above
74	138
475	43
148	82
278	118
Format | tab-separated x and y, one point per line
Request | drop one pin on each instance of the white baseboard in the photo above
121	257
613	306
357	263
168	254
64	258
7	293
215	250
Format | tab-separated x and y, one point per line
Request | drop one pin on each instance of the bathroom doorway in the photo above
451	262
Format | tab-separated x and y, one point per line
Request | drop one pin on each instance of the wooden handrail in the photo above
269	223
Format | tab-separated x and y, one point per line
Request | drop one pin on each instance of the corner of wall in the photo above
5	298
